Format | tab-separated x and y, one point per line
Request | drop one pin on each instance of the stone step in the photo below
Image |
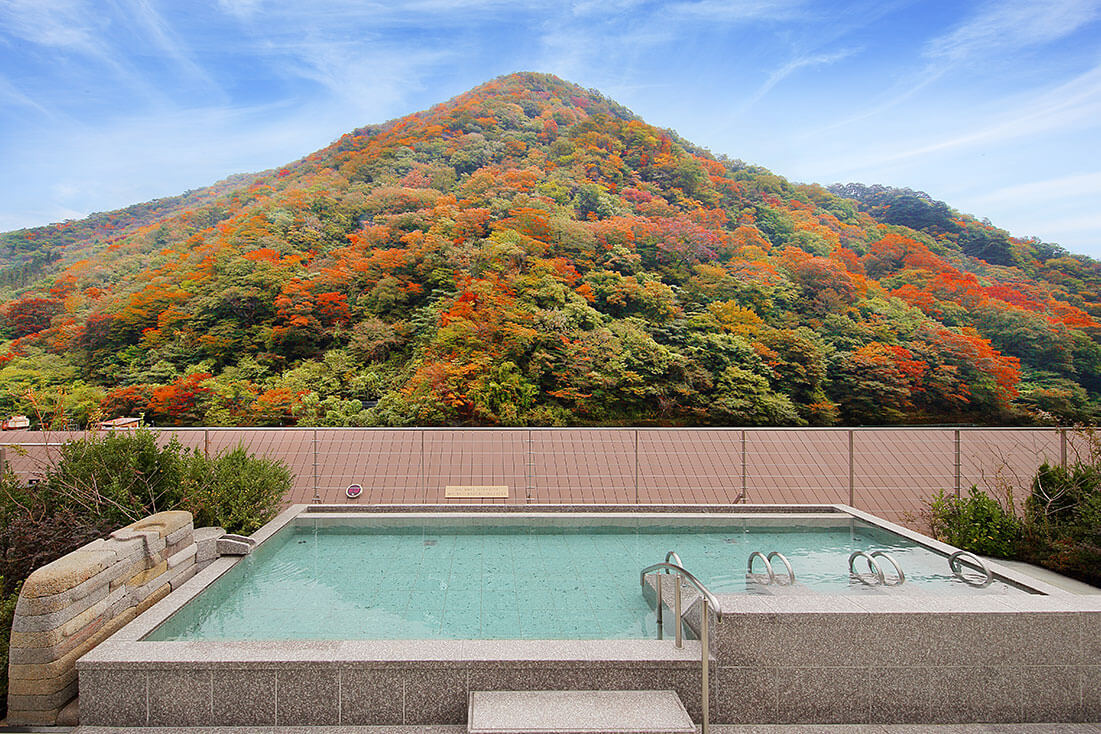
577	712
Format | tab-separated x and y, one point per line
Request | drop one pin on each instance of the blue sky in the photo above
993	107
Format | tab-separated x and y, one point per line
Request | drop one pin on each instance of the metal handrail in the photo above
676	559
898	569
873	566
787	565
706	598
975	561
768	566
704	591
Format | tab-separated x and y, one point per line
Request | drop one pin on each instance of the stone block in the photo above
436	696
822	695
70	714
40	718
186	554
307	697
371	697
66	573
163	523
229	547
47	701
52	620
154	597
1049	693
143	577
113	698
42	686
905	695
245	697
181	536
57	667
981	694
179	697
1089	678
39	655
748	695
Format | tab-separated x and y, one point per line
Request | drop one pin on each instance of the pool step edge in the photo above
578	712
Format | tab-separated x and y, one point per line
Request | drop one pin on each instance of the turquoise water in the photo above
511	581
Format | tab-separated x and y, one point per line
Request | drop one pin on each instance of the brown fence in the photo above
890	472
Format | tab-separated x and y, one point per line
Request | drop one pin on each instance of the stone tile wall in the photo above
71	605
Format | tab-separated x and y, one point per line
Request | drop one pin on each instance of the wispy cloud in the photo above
156	30
1081	184
1011	24
1067	105
790	68
726	11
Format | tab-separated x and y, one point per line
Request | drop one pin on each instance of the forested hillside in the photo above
532	253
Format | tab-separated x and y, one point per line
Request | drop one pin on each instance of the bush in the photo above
119	477
1063	521
241	492
115	479
7	613
975	523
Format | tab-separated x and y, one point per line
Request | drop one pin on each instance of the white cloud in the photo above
790	68
1082	184
737	11
1011	25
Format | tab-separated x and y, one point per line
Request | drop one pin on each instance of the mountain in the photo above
531	252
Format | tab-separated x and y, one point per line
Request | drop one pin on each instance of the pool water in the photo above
502	579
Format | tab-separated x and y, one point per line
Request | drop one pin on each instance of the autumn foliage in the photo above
532	253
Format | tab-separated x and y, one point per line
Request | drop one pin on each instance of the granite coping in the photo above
344	653
744	508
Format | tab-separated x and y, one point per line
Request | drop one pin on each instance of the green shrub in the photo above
975	523
238	492
7	613
1063	521
120	477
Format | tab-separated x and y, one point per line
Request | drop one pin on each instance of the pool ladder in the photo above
769	577
707	599
875	570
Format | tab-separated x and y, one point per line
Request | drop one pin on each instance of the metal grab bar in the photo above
661	623
680	570
706	599
768	566
958	557
787	565
898	569
872	566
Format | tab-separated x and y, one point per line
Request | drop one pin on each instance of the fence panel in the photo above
896	472
797	466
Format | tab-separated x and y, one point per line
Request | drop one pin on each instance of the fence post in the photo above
3	458
527	471
316	496
1063	448
635	466
957	463
744	495
206	443
852	483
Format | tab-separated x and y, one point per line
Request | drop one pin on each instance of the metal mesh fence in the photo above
891	472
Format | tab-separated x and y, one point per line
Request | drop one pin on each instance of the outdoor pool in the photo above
519	576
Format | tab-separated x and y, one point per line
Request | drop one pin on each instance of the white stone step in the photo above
577	712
